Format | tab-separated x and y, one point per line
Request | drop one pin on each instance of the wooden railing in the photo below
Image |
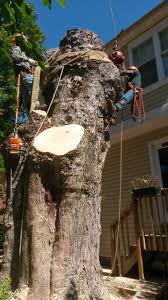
143	227
153	218
124	239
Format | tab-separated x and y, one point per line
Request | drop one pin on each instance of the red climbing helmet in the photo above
117	57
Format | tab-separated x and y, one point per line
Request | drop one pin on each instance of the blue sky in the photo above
91	14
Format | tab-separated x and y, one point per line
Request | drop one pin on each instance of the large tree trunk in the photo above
61	202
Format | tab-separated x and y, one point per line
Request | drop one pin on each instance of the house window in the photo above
159	160
150	55
163	159
144	58
163	37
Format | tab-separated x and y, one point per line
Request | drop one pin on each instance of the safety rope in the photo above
112	18
55	52
120	198
121	155
17	101
73	59
50	103
114	25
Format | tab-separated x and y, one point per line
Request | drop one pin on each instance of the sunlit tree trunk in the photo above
62	193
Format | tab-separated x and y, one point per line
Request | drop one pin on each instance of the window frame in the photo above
154	34
153	147
163	52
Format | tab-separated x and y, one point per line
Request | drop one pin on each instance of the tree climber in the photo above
132	86
24	66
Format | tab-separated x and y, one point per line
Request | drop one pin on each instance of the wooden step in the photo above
129	261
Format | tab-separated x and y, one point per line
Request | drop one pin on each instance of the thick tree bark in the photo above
61	202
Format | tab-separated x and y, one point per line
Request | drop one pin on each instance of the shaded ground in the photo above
133	289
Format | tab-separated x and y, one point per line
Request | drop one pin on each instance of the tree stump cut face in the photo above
59	140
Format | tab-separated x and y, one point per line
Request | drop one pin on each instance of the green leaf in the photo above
10	11
47	3
62	2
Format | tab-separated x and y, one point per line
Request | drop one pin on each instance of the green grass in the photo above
5	289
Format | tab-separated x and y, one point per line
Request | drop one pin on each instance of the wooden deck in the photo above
148	213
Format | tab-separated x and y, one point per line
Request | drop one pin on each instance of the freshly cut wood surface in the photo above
59	140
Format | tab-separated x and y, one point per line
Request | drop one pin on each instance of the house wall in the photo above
156	94
136	163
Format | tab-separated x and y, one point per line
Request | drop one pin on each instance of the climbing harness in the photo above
137	108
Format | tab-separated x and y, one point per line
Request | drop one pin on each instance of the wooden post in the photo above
138	241
119	258
159	222
164	217
35	88
142	223
113	247
140	260
123	239
127	238
152	221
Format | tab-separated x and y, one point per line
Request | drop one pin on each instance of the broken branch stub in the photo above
59	140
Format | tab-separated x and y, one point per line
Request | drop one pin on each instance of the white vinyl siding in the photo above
136	163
